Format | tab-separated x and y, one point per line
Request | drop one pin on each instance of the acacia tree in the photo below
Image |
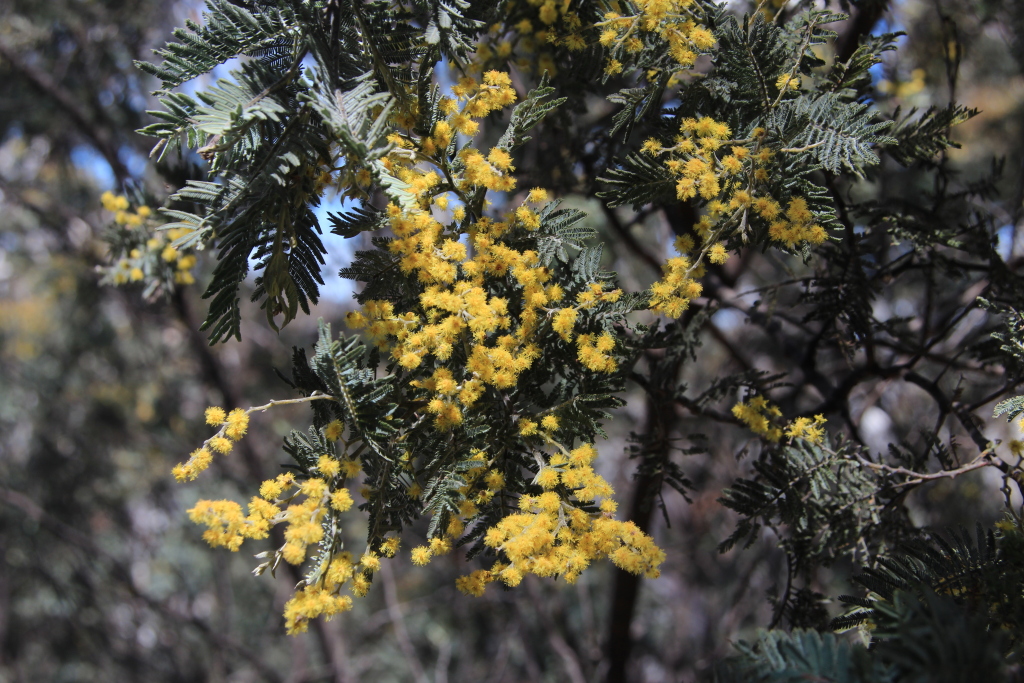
493	340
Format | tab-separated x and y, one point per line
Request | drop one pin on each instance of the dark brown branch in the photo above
660	419
946	405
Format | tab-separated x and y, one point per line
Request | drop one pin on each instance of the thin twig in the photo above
315	396
805	148
983	460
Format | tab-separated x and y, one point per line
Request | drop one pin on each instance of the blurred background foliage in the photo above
101	392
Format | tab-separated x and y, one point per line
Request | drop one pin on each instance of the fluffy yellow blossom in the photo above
494	480
563	322
341	500
537	195
389	546
334	430
215	416
312	602
237	424
718	254
328	466
807	429
651	146
221	445
500	159
351	468
758	415
360	585
440	546
198	461
547	478
420	555
370	561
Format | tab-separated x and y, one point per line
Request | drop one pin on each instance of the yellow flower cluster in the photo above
761	416
118	205
459	309
154	246
232	425
694	161
799	228
726	174
311	602
671	295
323	495
228	527
552	536
304	521
304	505
594	352
484	293
758	415
671	20
477	100
808	429
455	307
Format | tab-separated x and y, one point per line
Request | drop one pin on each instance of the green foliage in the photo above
937	611
800	655
751	56
830	513
838	135
528	113
227	31
637	181
926	638
977	576
921	138
636	104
